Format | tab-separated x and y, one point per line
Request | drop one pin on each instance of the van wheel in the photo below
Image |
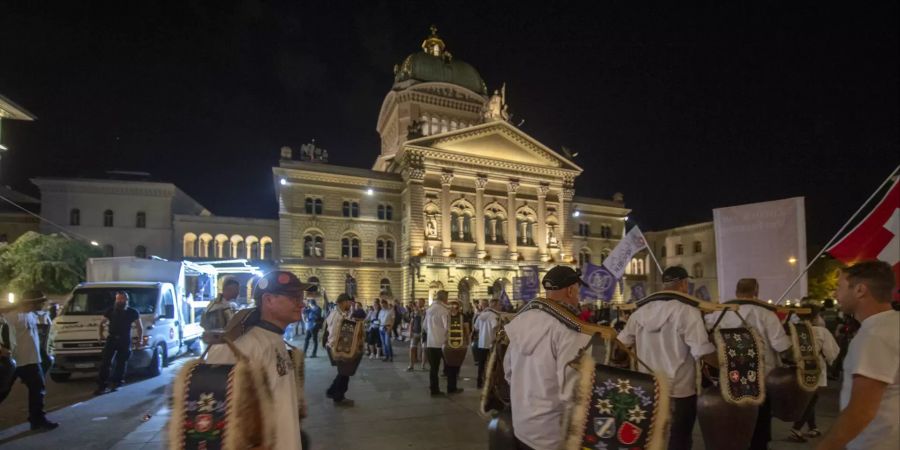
157	362
60	377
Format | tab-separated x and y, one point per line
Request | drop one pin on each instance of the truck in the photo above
170	297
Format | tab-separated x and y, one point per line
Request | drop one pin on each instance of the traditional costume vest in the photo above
227	406
793	386
347	351
730	394
457	341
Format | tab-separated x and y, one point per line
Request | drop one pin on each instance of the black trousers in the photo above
809	416
481	356
452	376
32	377
684	414
121	350
762	434
312	333
338	387
435	356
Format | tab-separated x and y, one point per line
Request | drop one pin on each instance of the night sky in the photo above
682	110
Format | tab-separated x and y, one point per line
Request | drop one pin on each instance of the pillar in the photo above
565	236
512	237
541	235
480	183
446	179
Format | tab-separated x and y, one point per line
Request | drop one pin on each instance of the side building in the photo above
692	247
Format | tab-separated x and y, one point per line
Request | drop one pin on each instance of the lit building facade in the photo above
457	199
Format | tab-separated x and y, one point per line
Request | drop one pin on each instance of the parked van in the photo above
156	289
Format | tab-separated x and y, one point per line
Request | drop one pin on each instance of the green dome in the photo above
436	64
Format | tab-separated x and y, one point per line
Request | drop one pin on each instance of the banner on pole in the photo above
529	283
766	241
625	250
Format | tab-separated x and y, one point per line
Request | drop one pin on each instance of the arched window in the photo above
75	217
389	250
109	250
379	249
698	270
313	281
141	220
385	286
384	249
350	247
313	246
140	251
108	218
584	257
604	254
526	222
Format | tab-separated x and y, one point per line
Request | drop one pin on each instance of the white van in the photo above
155	288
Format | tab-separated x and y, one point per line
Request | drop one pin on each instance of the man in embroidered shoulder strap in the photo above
542	343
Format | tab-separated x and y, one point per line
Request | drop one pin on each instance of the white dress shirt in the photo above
541	381
669	336
386	317
24	336
828	351
767	325
437	320
486	322
875	353
333	322
268	350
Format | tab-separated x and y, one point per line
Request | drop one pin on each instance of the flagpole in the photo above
834	238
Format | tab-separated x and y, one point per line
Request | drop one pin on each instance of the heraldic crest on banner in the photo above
741	365
617	408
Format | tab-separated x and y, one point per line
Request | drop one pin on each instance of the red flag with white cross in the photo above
876	237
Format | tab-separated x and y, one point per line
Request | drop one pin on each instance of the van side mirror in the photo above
168	312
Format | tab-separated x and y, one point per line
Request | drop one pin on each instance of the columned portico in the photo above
480	183
446	180
511	188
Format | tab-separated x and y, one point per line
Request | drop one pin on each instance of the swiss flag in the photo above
876	237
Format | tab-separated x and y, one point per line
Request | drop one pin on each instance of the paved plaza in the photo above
393	411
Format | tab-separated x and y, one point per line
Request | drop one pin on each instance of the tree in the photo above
823	277
52	263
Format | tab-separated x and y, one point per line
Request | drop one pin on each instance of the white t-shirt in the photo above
669	336
386	317
486	322
828	351
541	381
268	350
24	335
766	324
437	320
875	353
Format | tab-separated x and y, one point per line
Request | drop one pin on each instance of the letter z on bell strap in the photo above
617	408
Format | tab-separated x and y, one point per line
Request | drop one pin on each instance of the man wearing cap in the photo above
279	302
670	336
333	323
26	352
537	364
763	319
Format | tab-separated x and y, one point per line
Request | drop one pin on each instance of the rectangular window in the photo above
318	206
141	221
698	247
354	209
679	249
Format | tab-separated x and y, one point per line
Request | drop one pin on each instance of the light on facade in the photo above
792	260
95	243
3	147
283	182
576	213
625	218
370	191
11	297
770	301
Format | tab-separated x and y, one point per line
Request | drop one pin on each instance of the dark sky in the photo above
681	109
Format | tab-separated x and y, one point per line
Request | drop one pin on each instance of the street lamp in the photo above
95	243
283	182
370	191
792	260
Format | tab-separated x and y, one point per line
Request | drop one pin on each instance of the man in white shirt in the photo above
870	393
761	316
670	336
279	302
437	319
333	322
537	361
386	317
485	324
26	351
828	352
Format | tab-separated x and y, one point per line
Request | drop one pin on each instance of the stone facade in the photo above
473	200
692	247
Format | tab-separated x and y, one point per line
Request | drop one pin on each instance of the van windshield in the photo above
95	301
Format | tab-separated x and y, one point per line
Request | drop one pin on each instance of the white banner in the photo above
766	241
620	257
